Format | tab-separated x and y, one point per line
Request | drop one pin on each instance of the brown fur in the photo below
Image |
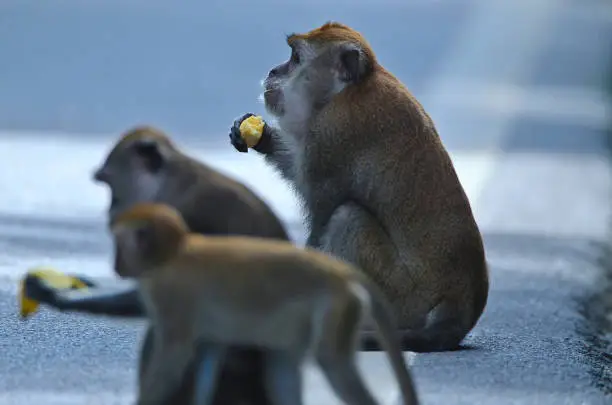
245	290
211	203
334	32
379	187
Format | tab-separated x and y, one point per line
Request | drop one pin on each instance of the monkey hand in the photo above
247	132
42	286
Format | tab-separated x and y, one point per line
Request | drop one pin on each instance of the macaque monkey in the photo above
145	165
249	291
379	188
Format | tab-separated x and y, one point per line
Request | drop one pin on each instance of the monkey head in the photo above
134	168
322	63
146	235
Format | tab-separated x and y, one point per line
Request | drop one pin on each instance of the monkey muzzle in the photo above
273	100
100	175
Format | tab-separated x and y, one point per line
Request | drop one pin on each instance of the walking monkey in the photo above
249	291
378	186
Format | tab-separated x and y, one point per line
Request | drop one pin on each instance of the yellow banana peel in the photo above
53	279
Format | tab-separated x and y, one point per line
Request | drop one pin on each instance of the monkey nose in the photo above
273	73
99	175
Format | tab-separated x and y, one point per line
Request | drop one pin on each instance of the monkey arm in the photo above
111	300
276	152
103	301
271	145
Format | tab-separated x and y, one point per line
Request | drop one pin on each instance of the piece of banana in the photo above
251	130
52	278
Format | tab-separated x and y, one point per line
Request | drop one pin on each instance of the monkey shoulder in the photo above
235	195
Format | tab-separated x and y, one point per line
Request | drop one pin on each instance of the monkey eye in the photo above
142	235
295	57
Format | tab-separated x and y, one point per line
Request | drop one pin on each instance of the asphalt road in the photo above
514	88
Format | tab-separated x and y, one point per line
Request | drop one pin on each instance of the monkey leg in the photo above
443	331
283	378
145	352
164	371
240	380
184	393
336	353
353	234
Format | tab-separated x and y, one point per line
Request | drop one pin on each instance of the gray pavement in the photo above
514	87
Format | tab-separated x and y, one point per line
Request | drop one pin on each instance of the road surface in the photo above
515	89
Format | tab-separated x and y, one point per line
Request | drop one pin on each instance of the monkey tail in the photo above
381	311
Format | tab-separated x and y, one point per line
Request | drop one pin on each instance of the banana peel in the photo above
53	279
251	130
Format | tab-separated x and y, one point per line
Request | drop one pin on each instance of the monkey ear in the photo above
352	64
149	152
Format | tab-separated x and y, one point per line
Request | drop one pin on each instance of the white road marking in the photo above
527	185
474	170
49	174
49	177
571	105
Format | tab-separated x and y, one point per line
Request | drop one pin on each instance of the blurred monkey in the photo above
249	291
145	165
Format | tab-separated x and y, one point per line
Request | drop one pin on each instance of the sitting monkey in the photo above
249	291
145	165
379	188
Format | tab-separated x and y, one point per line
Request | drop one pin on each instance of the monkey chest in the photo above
320	186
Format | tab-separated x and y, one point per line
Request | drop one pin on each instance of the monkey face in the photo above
273	90
311	77
135	249
146	235
133	174
281	78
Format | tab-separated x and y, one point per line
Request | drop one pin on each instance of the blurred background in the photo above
519	91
